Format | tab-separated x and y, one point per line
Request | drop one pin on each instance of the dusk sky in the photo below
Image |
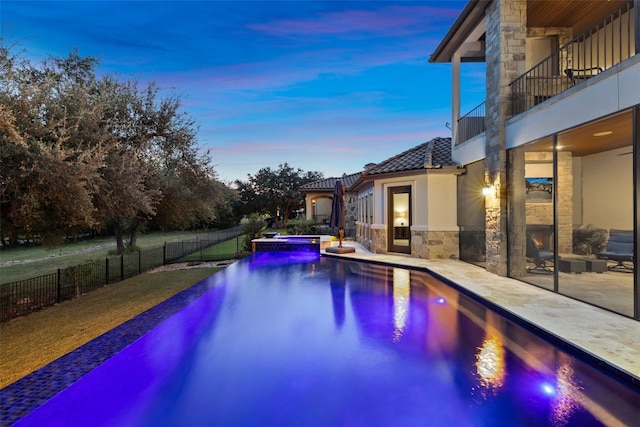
323	86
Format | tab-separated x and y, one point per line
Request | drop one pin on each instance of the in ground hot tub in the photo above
301	243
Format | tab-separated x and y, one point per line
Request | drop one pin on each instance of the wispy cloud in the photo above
387	21
324	86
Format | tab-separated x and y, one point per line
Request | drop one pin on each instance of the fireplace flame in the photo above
537	241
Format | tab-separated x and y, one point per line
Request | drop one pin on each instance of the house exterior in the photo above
405	203
401	205
555	145
318	196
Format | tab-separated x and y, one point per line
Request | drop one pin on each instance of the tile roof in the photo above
329	183
433	154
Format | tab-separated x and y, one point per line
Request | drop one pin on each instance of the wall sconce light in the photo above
489	190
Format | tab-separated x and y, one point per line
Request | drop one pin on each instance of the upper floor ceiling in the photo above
467	34
577	14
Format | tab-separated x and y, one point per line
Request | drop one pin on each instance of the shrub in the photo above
302	226
253	227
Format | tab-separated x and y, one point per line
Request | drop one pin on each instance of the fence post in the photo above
139	262
164	254
121	266
106	263
59	290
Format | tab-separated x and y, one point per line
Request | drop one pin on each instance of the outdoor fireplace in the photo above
542	235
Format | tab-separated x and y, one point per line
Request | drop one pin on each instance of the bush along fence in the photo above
24	296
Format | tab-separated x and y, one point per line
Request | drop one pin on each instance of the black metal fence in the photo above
24	296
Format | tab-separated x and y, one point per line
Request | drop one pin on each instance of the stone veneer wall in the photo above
363	231
505	61
351	214
424	244
435	244
564	34
518	215
378	240
564	184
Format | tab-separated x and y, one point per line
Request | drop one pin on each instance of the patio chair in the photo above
619	249
578	75
538	257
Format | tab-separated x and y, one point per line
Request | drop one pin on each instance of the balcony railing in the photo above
604	45
471	124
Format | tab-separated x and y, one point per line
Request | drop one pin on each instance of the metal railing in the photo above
604	45
471	124
24	296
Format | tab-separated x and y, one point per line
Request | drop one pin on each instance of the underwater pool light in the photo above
548	389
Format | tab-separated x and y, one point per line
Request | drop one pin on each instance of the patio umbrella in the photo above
337	218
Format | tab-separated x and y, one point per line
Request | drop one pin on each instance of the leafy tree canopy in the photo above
80	152
274	192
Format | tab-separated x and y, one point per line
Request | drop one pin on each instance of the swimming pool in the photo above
295	339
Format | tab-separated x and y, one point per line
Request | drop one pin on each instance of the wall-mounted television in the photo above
539	189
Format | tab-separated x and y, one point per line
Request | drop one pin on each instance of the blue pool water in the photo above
295	339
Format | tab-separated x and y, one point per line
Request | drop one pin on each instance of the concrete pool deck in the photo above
605	335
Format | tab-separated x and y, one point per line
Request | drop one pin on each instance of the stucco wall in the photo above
434	229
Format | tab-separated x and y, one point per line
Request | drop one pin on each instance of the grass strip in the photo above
29	343
26	262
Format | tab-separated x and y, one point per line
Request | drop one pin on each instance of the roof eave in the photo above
449	170
468	19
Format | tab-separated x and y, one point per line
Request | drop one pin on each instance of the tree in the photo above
275	191
80	152
46	175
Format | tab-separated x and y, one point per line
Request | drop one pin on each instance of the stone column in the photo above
505	60
564	203
516	194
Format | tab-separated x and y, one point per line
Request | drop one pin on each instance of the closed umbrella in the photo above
337	218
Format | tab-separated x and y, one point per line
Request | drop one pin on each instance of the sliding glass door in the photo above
573	220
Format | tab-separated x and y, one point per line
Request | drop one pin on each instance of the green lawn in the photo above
221	251
28	343
23	263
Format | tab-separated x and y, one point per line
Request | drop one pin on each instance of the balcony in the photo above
471	124
604	45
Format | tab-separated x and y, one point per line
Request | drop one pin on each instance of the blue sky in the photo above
324	86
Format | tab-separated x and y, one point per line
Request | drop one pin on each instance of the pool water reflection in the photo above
286	339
